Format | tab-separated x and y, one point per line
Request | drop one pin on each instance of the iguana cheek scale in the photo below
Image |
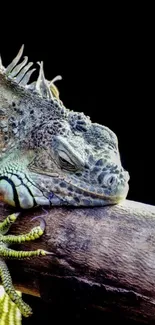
49	155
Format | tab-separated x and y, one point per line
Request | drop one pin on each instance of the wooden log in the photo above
101	257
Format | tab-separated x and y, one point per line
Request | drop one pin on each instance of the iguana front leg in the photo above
5	241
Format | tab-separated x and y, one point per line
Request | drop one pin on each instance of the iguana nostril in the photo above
107	180
110	180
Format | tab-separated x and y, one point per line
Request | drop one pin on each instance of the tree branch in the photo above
103	257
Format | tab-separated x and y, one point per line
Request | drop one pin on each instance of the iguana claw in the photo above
42	222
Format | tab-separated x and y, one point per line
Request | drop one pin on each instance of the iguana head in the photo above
51	154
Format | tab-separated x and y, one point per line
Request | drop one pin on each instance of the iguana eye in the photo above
66	162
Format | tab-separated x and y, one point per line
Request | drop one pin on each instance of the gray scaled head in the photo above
64	157
79	162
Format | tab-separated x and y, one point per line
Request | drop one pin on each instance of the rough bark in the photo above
102	257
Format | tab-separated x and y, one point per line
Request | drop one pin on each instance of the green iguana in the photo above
49	155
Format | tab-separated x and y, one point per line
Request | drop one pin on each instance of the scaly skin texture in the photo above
9	313
50	155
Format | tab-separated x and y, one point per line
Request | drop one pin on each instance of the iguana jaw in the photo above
87	198
91	198
77	193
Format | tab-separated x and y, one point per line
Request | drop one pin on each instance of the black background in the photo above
105	56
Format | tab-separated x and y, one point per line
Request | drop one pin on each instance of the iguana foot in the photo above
6	252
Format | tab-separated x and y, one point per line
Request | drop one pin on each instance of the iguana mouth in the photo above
79	193
100	199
